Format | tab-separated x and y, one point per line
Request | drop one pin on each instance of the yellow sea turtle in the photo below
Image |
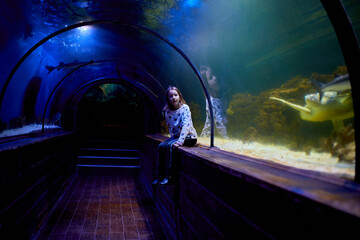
331	106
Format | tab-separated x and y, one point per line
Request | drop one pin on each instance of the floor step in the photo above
108	157
109	160
108	144
87	169
109	152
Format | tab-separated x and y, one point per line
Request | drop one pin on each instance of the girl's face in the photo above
212	81
174	98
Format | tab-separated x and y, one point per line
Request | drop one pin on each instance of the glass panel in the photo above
175	71
352	8
271	63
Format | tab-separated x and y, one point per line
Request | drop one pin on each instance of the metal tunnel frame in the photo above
351	52
63	79
188	60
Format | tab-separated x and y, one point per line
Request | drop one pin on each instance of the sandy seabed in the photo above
315	161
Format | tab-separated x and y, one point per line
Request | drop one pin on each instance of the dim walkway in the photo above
104	207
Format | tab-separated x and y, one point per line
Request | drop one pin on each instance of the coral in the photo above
164	129
3	126
196	116
257	118
243	108
17	122
325	78
342	144
250	135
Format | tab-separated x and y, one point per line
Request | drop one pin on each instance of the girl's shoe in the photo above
165	181
156	181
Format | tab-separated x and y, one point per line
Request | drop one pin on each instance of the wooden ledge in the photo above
339	194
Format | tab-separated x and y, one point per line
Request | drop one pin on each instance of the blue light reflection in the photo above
191	3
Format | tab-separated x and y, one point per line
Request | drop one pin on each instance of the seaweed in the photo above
243	108
342	144
196	116
257	118
3	126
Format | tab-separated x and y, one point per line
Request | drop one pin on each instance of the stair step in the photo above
109	149
88	169
109	152
109	144
105	160
107	157
106	166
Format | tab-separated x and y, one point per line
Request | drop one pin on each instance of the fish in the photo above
339	84
330	107
74	64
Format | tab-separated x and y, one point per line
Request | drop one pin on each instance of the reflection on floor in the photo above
104	207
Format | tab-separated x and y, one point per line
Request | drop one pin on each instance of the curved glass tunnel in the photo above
263	64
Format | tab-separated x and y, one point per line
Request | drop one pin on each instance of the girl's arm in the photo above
186	125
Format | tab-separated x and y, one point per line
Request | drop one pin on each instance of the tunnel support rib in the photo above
188	60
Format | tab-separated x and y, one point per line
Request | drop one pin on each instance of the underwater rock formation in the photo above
163	127
242	110
258	118
17	122
250	135
324	105
196	116
342	144
3	126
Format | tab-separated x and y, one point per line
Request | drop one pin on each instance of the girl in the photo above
178	119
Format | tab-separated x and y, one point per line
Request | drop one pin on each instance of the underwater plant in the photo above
3	126
243	108
17	122
332	100
196	116
261	119
342	144
163	128
156	11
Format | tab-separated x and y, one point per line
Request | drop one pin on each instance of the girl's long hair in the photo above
168	104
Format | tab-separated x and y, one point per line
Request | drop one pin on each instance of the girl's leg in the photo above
170	171
169	157
161	163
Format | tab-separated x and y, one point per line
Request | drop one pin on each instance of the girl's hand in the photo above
176	145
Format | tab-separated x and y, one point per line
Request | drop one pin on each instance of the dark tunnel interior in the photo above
111	111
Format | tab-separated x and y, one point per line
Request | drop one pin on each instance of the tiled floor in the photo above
104	207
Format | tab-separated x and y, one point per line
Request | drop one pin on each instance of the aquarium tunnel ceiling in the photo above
55	48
